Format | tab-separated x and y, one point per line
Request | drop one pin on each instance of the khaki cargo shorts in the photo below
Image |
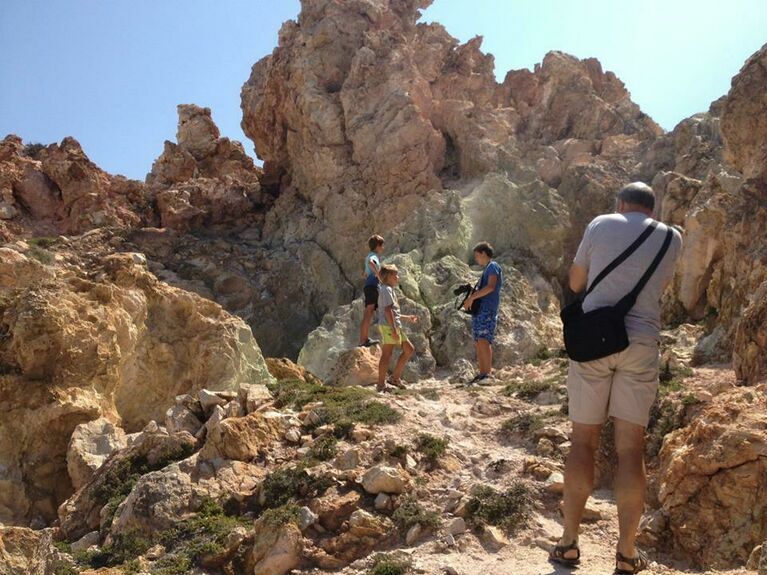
622	385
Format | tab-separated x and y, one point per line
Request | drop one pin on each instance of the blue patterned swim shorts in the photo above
483	324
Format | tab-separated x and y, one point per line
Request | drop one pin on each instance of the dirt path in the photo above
471	419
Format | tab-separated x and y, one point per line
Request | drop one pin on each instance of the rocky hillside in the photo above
140	430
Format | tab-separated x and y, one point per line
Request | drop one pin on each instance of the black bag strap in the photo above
621	258
628	301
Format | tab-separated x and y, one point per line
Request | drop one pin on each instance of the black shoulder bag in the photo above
602	331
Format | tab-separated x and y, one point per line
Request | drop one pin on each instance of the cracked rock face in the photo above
713	478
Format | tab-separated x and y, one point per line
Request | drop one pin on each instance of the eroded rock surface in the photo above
713	474
91	334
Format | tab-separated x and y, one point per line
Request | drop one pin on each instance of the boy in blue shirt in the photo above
372	279
489	295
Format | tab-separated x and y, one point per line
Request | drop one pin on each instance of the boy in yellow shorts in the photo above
390	325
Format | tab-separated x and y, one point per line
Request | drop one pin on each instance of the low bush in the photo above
280	516
431	447
411	512
324	448
390	565
523	423
528	389
509	509
339	404
290	483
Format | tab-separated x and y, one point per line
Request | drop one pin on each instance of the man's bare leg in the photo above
630	483
579	480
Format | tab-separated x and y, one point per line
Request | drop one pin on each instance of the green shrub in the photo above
348	404
280	516
123	548
431	393
399	451
173	564
411	512
324	448
286	484
42	242
202	535
390	565
671	378
432	447
523	423
40	254
510	509
531	389
120	478
689	399
541	355
63	546
62	568
343	428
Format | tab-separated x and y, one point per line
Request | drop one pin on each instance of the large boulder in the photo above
162	498
277	548
90	446
241	438
113	481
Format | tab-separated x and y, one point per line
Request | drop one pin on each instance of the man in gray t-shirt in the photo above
623	385
605	239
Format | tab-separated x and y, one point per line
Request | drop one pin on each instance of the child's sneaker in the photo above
480	379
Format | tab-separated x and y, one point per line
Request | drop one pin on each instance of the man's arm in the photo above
579	276
492	281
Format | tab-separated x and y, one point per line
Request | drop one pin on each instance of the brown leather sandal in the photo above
638	563
557	554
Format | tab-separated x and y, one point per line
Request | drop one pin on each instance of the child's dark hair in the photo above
484	248
374	242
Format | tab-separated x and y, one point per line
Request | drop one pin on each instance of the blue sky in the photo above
111	72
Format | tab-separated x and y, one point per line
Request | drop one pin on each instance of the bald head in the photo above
636	197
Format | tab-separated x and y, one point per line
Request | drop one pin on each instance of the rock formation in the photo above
205	181
57	190
90	334
720	199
